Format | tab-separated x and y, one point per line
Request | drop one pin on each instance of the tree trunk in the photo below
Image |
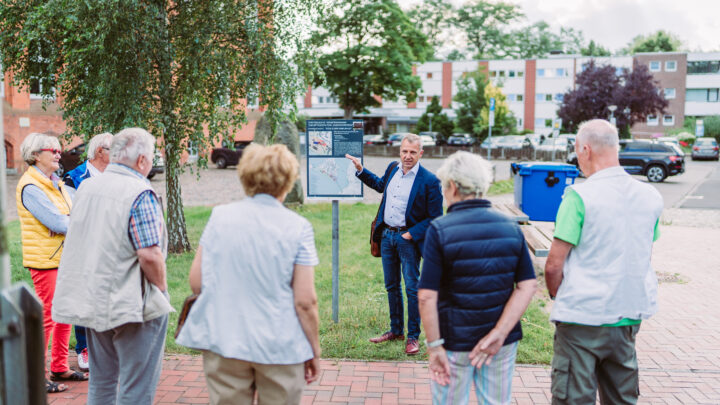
177	231
348	113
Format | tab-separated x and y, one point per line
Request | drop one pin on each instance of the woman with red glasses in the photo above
43	204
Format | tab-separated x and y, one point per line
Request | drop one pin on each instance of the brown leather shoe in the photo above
412	347
387	336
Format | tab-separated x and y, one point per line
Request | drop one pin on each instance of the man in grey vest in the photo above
598	271
116	247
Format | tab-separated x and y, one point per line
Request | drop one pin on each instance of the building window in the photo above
561	72
501	73
511	73
429	75
652	120
619	71
421	99
712	95
668	120
519	122
548	122
511	97
321	100
670	66
703	67
559	97
519	97
540	122
539	97
655	66
541	73
520	73
493	73
669	93
548	97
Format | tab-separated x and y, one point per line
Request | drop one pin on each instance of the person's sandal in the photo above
54	388
75	376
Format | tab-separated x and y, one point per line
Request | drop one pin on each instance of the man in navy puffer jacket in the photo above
477	280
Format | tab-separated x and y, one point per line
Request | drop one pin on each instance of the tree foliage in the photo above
440	121
660	41
432	18
635	93
470	98
594	49
486	25
178	68
370	47
505	121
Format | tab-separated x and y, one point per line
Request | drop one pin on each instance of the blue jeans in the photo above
80	339
400	255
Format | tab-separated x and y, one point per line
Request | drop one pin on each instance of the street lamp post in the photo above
612	109
430	115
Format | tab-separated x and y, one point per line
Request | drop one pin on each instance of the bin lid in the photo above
531	167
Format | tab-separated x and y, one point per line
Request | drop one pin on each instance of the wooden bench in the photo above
513	212
538	240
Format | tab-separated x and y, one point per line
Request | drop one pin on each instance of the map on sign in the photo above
319	143
333	176
329	173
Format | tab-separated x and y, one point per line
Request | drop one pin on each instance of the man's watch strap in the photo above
434	343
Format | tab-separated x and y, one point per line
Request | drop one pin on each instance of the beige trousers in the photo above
232	381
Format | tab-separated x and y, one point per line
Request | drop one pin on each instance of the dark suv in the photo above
224	157
654	160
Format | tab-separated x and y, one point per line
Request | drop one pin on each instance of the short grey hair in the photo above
470	172
33	143
101	140
412	138
129	144
599	133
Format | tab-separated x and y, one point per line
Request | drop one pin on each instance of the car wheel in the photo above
221	163
656	173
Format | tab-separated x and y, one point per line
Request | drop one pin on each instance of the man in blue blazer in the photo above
411	199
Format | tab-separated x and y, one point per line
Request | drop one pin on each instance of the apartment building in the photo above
535	88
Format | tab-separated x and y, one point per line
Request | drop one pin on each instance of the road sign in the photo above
491	118
492	103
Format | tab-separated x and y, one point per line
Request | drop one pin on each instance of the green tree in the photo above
432	17
470	97
712	126
371	46
440	121
535	41
660	41
593	49
505	122
486	25
177	68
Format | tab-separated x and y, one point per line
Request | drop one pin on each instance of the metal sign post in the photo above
556	132
699	128
335	260
491	123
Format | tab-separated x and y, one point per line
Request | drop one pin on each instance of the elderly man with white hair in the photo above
598	270
98	157
117	249
477	280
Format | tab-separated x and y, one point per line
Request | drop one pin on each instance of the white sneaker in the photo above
83	362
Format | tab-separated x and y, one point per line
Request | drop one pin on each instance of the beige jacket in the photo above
100	284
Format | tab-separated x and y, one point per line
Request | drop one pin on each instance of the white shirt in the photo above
397	195
92	169
246	308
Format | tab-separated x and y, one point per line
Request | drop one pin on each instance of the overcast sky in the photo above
613	23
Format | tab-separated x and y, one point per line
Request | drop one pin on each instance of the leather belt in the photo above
398	229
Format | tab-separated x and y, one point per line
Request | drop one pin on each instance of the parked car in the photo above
558	144
533	140
512	142
492	143
669	140
373	140
427	140
395	138
705	148
437	138
224	157
72	158
461	140
654	160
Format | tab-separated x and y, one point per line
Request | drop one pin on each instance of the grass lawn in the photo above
363	303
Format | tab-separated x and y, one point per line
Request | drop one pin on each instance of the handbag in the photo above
189	301
374	245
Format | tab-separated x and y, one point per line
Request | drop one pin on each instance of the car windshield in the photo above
706	142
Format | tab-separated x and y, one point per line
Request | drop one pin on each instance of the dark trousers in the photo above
80	339
589	359
401	260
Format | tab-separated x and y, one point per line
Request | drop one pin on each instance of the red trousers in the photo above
44	281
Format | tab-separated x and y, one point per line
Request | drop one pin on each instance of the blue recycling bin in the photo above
539	187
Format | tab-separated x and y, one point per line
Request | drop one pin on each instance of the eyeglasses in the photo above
53	151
